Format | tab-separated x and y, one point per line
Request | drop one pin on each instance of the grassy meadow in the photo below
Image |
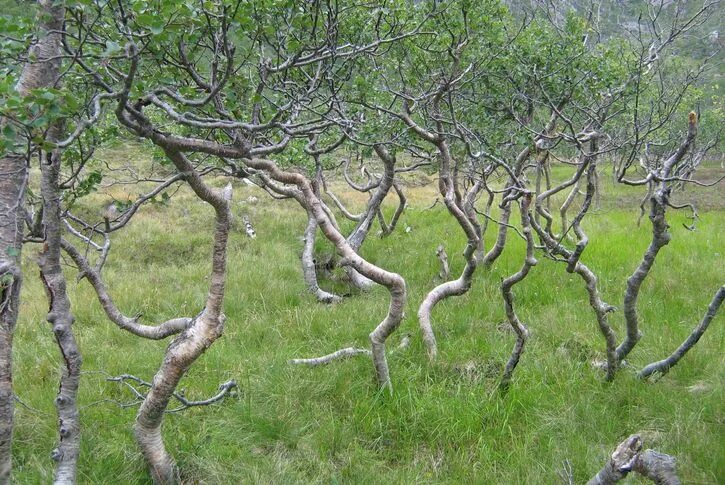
445	422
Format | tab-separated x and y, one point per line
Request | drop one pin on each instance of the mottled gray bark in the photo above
663	366
522	333
660	238
628	457
445	271
583	239
565	207
493	254
41	72
387	229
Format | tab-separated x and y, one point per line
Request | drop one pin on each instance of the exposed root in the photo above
346	353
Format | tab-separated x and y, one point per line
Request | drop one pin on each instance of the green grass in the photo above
445	423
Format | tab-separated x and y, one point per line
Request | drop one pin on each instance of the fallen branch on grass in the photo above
224	390
345	353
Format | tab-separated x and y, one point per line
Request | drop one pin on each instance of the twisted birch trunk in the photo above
462	211
193	341
392	281
309	268
41	72
660	238
522	333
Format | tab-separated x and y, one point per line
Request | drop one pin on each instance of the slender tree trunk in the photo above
42	72
660	238
61	320
522	333
663	366
192	342
493	254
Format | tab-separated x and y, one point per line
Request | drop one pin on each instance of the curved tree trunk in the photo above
522	333
392	281
42	72
193	341
360	233
601	308
663	366
463	212
660	238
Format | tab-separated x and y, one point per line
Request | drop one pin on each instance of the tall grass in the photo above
445	423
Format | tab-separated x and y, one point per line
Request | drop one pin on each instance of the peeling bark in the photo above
663	366
628	457
42	72
200	334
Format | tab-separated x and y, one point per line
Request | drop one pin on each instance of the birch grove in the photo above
329	103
